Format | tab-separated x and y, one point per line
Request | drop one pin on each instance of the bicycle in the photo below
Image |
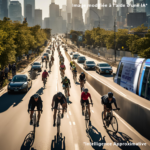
62	74
34	119
110	119
82	84
86	114
58	119
66	92
44	81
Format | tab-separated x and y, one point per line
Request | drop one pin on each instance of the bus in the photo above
133	74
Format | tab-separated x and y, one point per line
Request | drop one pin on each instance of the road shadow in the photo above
122	138
78	83
40	91
28	141
107	75
7	100
68	101
58	143
95	137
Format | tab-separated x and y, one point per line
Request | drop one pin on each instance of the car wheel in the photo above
9	92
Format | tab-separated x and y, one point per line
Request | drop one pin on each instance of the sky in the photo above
44	5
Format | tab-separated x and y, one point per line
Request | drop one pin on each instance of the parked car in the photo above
103	68
45	55
89	65
19	83
48	51
36	66
75	56
81	59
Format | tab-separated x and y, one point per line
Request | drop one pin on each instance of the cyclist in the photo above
52	59
50	65
46	61
74	70
58	98
84	99
62	67
44	75
35	100
66	84
82	80
107	100
71	63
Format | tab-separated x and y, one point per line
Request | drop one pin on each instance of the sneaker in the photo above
37	123
31	122
62	115
54	124
89	123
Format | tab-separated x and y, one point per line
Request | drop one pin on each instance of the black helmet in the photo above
36	95
86	90
82	72
44	70
59	94
110	95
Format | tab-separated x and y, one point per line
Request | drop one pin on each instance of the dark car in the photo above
103	68
75	56
36	66
45	55
19	83
81	59
89	65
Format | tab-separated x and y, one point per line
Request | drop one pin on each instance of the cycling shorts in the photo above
61	101
33	106
84	101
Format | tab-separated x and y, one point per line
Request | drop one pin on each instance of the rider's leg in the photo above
54	116
89	111
105	110
68	90
31	114
39	115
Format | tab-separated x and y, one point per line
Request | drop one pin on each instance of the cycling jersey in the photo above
44	74
62	66
82	77
66	82
85	96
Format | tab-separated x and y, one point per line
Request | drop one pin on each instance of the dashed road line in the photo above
76	147
70	113
70	122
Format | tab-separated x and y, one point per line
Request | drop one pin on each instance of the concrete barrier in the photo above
136	115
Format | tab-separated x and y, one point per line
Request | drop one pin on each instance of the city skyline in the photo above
44	6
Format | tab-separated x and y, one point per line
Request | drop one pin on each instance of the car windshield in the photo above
36	64
19	79
104	65
81	57
90	62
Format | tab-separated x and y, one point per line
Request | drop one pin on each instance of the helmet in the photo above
59	94
62	63
82	72
36	95
110	95
44	70
86	90
65	78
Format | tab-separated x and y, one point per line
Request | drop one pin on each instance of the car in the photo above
36	66
19	83
89	65
81	59
75	56
103	68
45	55
48	51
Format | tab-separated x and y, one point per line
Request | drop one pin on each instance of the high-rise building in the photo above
4	5
107	11
31	2
53	10
75	1
29	14
47	22
38	17
69	6
148	7
139	9
15	11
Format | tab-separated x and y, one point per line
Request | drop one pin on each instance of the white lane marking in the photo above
70	113
76	147
67	116
92	111
74	123
69	122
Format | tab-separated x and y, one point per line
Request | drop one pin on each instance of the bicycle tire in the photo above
58	126
34	120
104	122
115	122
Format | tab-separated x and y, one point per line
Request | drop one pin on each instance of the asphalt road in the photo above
16	133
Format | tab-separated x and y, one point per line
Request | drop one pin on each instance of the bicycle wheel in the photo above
86	119
114	124
34	120
58	126
104	122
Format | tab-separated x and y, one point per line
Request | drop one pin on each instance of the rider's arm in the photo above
30	102
69	82
53	100
115	103
90	98
40	101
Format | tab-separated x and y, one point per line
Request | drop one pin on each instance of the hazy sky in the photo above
44	5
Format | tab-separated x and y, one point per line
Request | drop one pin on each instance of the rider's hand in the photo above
41	111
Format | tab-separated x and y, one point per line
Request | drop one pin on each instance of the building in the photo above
148	7
4	5
54	10
38	17
15	11
32	3
46	22
136	19
139	9
75	1
69	6
29	14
